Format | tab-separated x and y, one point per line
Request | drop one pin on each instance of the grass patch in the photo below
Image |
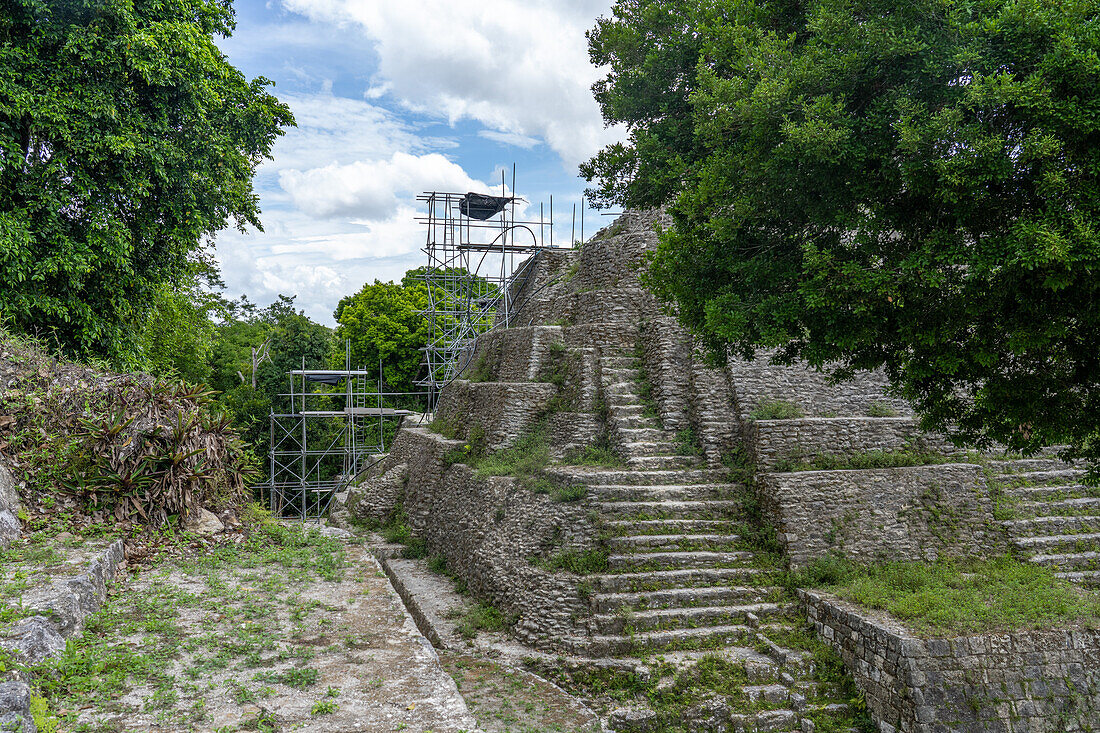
881	409
479	617
581	563
867	459
947	598
525	459
599	454
776	410
644	384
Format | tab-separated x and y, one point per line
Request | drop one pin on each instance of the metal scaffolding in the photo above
329	438
472	260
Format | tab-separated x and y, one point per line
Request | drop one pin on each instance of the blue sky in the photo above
393	98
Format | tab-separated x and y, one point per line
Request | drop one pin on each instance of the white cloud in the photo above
372	190
517	66
510	138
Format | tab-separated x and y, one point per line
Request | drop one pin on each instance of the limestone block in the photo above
10	528
15	708
34	639
204	522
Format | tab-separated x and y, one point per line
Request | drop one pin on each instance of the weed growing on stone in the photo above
881	409
583	562
776	410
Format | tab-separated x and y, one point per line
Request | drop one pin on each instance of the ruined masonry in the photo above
590	361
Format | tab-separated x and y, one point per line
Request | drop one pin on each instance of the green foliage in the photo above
178	336
480	617
385	322
127	141
954	598
881	409
524	460
598	454
687	443
583	562
775	410
909	186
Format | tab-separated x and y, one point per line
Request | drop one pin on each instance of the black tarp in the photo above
480	206
333	380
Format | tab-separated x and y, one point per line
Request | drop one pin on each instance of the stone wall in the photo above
913	513
503	411
758	380
1044	681
513	354
488	530
773	442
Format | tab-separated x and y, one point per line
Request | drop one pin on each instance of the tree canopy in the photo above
126	141
864	184
385	323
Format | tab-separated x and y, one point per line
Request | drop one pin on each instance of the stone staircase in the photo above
1051	517
679	583
635	432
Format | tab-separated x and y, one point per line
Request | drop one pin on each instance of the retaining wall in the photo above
489	531
913	513
1045	681
774	442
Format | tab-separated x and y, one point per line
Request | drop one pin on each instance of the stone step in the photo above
710	637
1051	525
659	448
630	527
1028	465
1063	507
667	619
672	542
625	411
1087	578
659	462
608	361
1053	477
1042	493
669	579
640	562
630	435
717	595
616	374
1069	560
590	476
715	509
637	421
673	492
1052	544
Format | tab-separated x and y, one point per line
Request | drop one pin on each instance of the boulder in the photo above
10	528
34	639
9	492
15	708
205	522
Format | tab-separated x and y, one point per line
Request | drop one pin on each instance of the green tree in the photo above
385	322
178	335
877	184
126	141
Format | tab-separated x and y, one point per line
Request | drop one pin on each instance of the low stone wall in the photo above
758	380
489	530
914	513
773	442
505	411
1045	681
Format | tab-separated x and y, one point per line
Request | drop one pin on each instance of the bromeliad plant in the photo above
164	455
